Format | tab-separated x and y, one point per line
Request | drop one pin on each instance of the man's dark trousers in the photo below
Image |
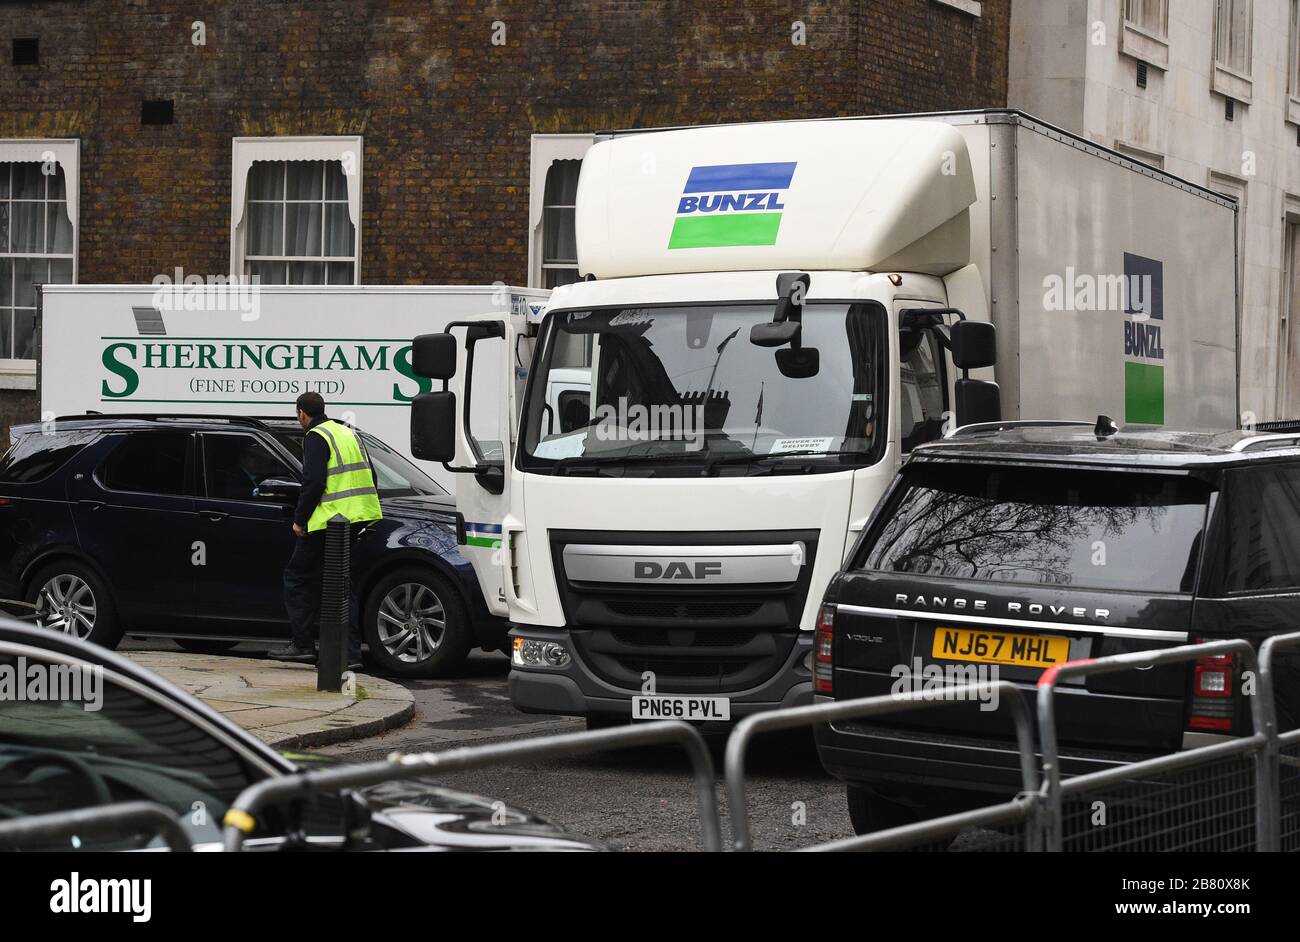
303	579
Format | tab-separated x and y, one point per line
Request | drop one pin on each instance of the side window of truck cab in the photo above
923	390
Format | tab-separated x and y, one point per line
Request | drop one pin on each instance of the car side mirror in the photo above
434	356
278	489
974	344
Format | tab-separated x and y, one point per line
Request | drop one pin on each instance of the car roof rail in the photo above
999	426
1266	441
164	417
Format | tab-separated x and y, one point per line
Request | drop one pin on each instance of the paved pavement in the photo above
278	702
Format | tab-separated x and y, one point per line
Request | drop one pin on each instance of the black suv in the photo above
1018	546
179	526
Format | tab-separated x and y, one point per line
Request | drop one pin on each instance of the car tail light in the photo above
823	651
1213	701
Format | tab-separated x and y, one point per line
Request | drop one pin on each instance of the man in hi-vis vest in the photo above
337	478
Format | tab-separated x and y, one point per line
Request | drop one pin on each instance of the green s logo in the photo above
130	378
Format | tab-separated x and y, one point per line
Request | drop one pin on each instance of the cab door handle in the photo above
91	504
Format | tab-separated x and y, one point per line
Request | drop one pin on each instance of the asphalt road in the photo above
639	800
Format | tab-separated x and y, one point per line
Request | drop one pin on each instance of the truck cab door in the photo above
925	372
468	426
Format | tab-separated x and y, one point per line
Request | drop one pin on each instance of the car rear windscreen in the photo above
34	456
1044	526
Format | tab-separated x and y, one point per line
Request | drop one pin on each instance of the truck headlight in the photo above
528	652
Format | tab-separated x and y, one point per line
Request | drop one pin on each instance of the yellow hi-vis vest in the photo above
349	484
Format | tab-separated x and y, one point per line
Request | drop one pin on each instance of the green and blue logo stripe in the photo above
730	205
487	535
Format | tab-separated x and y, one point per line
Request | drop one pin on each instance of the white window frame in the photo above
544	150
1226	80
21	373
245	151
1133	152
1293	65
1287	313
1139	41
1236	189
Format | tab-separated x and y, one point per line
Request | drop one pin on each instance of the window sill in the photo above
973	7
1145	46
17	377
1293	109
1232	84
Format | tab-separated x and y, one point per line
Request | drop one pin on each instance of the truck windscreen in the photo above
1049	526
664	390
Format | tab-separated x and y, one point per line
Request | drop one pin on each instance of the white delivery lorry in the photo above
237	349
771	316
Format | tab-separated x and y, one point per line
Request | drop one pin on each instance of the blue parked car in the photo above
178	526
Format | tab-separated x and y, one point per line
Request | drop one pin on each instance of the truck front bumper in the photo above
575	690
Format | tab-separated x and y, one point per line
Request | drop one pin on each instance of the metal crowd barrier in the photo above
1241	794
1020	811
240	819
1168	802
100	821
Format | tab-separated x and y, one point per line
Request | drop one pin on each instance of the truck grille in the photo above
705	638
649	608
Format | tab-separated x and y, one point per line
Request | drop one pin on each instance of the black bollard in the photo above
335	596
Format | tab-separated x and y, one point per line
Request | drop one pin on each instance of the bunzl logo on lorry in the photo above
731	204
1144	352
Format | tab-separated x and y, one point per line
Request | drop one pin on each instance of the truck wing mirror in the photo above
434	356
786	323
974	344
433	424
977	401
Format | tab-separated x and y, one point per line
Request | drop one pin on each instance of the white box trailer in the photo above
251	350
795	287
1058	229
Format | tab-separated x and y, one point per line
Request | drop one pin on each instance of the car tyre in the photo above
869	812
416	624
77	603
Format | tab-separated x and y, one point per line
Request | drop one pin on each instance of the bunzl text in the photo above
731	205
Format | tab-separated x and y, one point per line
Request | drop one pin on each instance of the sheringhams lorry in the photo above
234	348
688	441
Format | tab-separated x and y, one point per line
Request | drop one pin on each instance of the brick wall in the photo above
446	114
16	407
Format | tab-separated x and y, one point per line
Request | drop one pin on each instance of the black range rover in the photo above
1007	548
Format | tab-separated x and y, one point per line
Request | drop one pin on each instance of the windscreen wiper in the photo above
564	465
722	459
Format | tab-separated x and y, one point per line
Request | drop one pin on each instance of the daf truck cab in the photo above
690	440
